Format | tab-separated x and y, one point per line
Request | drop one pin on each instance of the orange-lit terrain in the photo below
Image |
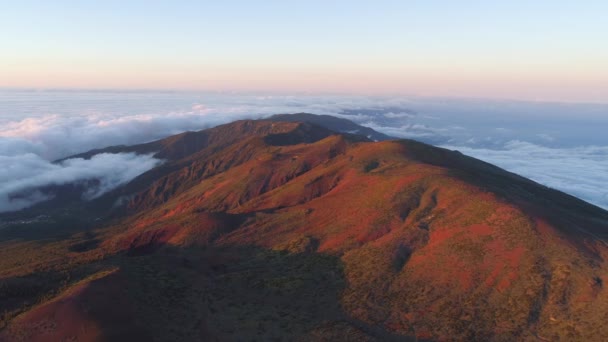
262	230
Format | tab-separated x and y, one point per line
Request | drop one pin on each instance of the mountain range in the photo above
305	227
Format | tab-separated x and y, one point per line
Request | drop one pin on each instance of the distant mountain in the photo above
177	147
284	229
333	123
184	144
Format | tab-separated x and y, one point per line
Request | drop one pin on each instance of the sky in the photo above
528	50
521	84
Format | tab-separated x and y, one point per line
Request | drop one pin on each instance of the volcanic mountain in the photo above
282	229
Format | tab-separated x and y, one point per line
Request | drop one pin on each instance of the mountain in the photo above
284	229
187	143
333	123
172	150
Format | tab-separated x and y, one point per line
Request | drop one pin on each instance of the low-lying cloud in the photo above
560	145
53	136
59	131
579	171
22	176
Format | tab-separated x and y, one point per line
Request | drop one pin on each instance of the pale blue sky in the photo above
552	50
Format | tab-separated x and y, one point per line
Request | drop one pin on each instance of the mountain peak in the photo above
282	228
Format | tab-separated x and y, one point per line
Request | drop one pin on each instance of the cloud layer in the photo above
579	171
22	175
560	145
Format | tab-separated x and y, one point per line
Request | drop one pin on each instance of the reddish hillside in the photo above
287	230
94	309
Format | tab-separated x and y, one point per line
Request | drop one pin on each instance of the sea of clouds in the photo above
21	175
560	145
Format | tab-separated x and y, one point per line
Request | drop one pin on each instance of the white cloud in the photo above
546	137
22	175
392	115
54	136
548	142
71	123
580	171
69	132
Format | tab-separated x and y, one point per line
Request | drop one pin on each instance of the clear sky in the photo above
545	50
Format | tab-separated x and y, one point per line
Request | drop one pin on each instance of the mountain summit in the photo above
295	229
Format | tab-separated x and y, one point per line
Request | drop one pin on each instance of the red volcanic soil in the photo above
96	309
288	231
146	236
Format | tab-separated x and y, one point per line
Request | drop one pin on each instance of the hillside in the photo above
332	123
282	229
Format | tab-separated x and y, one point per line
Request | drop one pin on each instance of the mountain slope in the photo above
333	123
288	230
183	146
187	143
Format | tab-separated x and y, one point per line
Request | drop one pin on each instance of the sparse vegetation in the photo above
313	238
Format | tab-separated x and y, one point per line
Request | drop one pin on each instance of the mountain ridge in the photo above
292	231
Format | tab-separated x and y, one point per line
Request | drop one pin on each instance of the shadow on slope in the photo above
190	294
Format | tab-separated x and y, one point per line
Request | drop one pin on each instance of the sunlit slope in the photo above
289	230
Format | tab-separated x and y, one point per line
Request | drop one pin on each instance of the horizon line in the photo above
274	92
